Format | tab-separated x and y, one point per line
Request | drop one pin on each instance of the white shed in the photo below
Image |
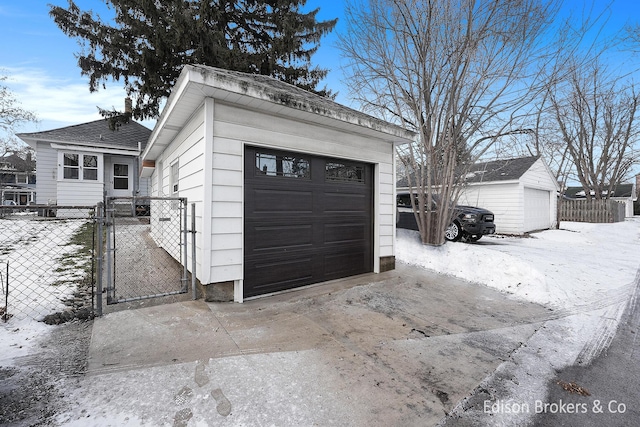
522	193
290	188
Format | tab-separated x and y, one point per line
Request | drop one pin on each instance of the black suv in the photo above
469	223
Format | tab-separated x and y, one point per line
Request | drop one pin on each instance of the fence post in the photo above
185	272
193	251
6	297
100	257
110	251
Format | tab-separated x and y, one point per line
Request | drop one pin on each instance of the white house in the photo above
521	193
290	188
79	165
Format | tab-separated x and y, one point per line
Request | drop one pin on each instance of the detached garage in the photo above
522	193
290	188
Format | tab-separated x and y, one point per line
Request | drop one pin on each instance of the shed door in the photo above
537	213
307	219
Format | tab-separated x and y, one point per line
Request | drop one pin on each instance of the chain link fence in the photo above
47	268
146	253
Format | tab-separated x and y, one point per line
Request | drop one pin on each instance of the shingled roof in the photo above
620	190
95	134
500	170
495	170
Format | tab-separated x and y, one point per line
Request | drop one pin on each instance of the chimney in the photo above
127	105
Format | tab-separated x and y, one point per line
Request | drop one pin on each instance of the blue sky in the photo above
45	78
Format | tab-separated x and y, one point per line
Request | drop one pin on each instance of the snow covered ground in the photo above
572	268
42	275
585	272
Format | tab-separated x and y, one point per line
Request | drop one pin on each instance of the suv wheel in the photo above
453	232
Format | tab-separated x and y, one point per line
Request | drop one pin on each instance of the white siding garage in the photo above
275	173
521	193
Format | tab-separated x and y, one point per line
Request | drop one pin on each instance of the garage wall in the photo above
234	127
505	200
188	149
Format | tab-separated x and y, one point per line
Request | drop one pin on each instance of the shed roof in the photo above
95	134
492	171
262	93
500	170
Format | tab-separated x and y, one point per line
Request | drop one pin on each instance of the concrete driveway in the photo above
398	348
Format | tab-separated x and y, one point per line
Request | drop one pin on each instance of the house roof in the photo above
500	170
95	134
493	171
620	190
13	162
262	93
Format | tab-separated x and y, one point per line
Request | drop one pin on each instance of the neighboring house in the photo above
17	179
621	193
521	193
291	188
79	165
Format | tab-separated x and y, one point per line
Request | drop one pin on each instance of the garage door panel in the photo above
307	228
343	264
345	233
271	275
344	202
283	237
536	209
284	201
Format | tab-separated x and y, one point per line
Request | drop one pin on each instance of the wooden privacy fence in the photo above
591	211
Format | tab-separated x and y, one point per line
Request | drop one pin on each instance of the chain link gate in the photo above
145	248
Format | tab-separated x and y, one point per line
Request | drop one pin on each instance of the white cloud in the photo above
59	102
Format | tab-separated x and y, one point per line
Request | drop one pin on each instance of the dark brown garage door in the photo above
307	219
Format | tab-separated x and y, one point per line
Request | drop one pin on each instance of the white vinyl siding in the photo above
503	199
187	152
46	174
79	193
517	205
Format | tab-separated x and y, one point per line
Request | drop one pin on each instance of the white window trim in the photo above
100	172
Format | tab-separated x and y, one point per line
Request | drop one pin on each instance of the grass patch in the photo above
80	258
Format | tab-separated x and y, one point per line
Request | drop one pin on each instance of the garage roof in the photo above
492	171
263	93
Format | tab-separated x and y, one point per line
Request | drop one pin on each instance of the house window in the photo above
120	177
21	179
175	177
81	167
90	168
71	166
282	165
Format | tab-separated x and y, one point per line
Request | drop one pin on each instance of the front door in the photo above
120	177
